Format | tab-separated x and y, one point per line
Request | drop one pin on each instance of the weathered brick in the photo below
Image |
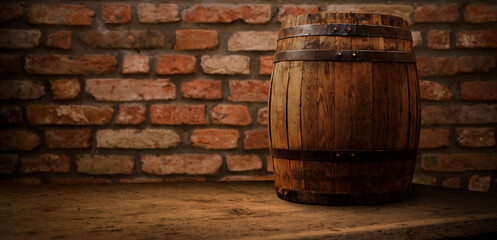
26	181
151	13
176	64
479	183
63	64
262	116
479	90
10	11
439	39
213	138
256	139
239	163
19	38
475	137
130	89
68	114
89	180
141	180
231	115
227	65
459	162
434	91
269	164
49	163
137	139
434	138
67	138
253	41
10	114
21	89
191	164
193	39
131	39
477	39
226	13
266	66
173	114
432	13
63	89
202	89
481	64
245	178
59	39
133	64
116	13
185	179
105	164
23	140
294	10
459	114
425	180
452	182
9	64
8	163
450	66
479	13
65	14
417	39
403	11
249	91
131	114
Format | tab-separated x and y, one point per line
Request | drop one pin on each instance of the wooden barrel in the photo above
344	113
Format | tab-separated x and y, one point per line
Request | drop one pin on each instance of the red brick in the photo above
459	114
134	64
151	13
130	89
262	116
432	13
475	137
425	180
67	138
191	164
49	163
63	64
21	89
231	115
459	162
227	65
9	64
59	39
403	11
176	64
266	67
479	13
256	139
193	39
479	90
131	114
19	38
481	64
479	183
439	39
8	163
226	13
137	139
68	114
186	179
65	14
141	180
477	39
63	89
26	181
294	10
173	114
23	140
116	13
89	180
434	138
105	164
417	39
269	164
213	138
452	182
434	91
239	163
131	39
450	66
249	91
245	178
202	89
253	41
10	114
10	11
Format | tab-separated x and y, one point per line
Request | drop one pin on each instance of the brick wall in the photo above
153	91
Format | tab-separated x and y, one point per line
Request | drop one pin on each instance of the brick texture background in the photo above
174	91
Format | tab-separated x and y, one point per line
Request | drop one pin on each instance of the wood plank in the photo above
294	124
414	124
